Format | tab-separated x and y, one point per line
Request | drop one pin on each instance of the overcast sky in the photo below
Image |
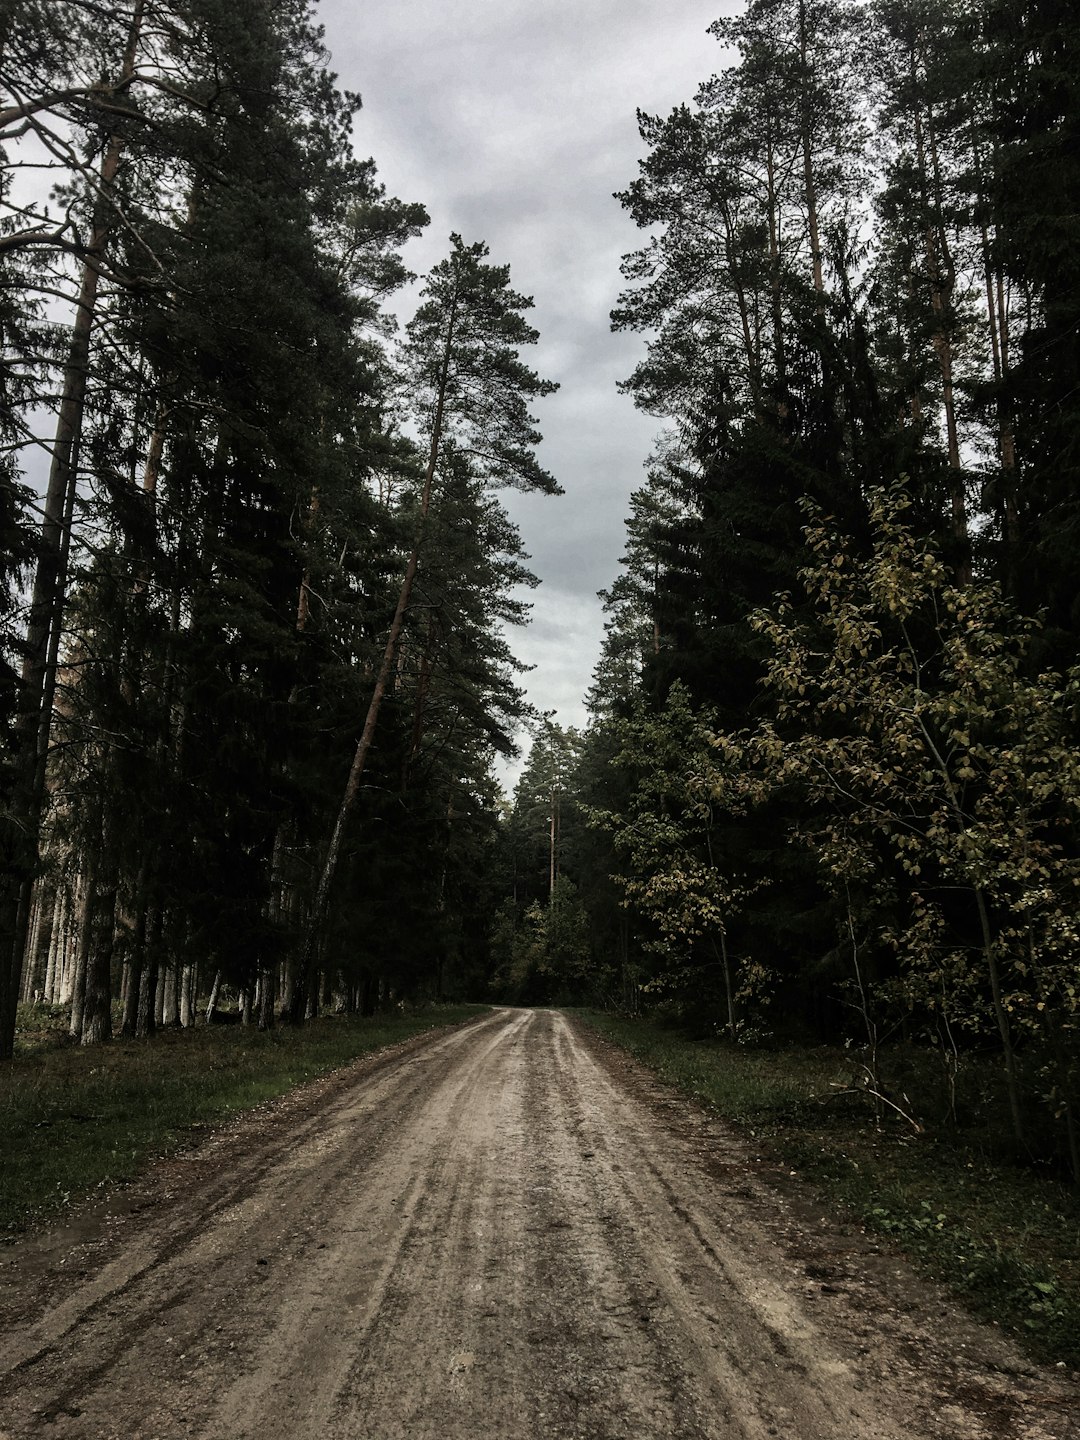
513	121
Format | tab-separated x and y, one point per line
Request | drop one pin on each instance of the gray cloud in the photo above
513	121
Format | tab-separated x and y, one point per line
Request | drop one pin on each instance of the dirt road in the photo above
508	1230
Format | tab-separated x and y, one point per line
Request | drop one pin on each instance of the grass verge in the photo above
1004	1239
74	1119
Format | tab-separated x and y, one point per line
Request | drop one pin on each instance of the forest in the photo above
829	789
268	531
260	584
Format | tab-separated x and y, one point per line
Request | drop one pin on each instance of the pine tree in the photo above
1032	59
239	384
470	392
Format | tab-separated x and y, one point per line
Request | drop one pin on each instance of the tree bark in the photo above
33	725
66	956
187	985
266	999
51	963
82	944
211	1004
101	932
136	994
31	963
170	1007
150	978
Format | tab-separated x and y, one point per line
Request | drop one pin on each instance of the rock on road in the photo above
503	1230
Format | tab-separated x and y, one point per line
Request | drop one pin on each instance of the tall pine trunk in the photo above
33	725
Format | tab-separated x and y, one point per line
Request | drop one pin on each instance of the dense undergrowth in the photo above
1003	1236
73	1118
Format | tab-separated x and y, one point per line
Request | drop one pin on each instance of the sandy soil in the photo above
507	1230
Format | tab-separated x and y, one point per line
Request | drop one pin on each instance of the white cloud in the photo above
513	121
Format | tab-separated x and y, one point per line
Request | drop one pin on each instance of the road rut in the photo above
507	1230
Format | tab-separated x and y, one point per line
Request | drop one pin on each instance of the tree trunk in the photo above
82	944
34	721
150	978
101	931
32	977
553	845
66	956
170	1005
187	1008
750	349
134	999
159	997
211	1004
51	965
729	989
266	999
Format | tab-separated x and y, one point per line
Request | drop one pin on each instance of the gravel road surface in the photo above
504	1230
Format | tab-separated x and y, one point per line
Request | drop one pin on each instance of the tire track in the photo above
505	1231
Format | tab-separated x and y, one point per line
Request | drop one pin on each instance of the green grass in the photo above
1003	1238
73	1119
